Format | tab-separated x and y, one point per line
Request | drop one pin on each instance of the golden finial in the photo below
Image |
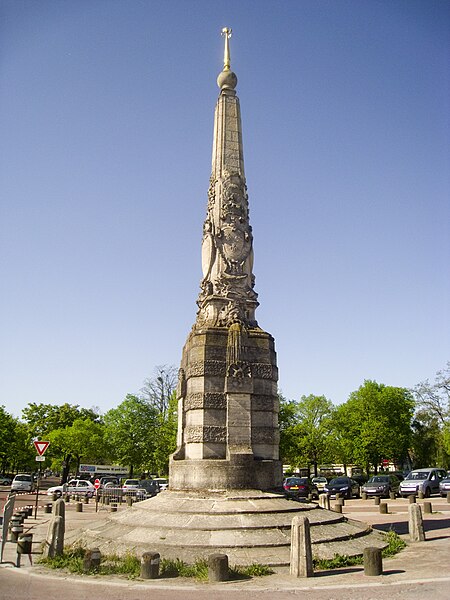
226	32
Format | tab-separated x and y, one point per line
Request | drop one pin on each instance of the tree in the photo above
158	390
165	438
378	420
435	397
305	430
43	419
427	441
83	439
131	429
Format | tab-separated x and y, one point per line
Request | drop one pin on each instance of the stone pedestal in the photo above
228	412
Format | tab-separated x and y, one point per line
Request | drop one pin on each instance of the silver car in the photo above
444	486
22	482
422	480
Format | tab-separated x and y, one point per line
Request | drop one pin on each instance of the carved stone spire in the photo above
227	295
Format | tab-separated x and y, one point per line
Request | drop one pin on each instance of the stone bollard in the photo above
79	507
338	495
24	543
218	567
150	565
340	501
373	563
91	559
67	498
86	499
324	501
301	562
55	496
113	508
129	501
60	508
363	495
427	508
338	508
383	508
376	500
415	524
56	537
392	495
420	495
47	508
448	497
412	499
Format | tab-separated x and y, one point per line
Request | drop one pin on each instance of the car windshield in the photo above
132	482
339	481
23	478
319	479
379	479
418	475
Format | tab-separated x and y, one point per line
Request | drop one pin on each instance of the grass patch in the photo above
129	565
394	545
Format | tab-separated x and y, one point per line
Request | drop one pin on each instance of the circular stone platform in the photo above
249	526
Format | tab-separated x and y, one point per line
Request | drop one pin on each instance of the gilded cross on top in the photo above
226	32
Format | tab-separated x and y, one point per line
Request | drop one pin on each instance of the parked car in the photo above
150	486
23	482
422	480
74	486
345	486
381	485
5	480
130	484
319	482
300	487
109	482
444	486
162	482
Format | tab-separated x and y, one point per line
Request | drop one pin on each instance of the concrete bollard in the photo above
392	495
113	508
448	497
420	495
79	507
427	508
86	499
150	565
415	524
376	500
218	567
412	499
129	501
363	495
47	508
383	508
24	543
67	498
338	508
373	562
338	495
60	508
55	496
324	501
91	559
301	562
341	501
106	500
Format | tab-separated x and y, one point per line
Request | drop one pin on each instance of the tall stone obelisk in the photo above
227	394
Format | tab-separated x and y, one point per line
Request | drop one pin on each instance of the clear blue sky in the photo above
106	126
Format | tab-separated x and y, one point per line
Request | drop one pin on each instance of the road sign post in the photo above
41	447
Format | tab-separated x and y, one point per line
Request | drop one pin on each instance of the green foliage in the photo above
305	430
72	560
394	543
375	424
16	450
131	429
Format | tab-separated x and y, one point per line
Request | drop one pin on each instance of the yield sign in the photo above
41	447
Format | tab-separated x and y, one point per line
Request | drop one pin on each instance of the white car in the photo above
23	482
75	486
162	483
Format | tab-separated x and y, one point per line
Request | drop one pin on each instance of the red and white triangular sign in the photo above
41	447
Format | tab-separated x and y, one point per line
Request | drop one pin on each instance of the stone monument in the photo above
227	393
225	476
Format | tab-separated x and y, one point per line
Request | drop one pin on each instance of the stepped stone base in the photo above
249	526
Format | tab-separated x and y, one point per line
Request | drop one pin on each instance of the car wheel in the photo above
427	493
